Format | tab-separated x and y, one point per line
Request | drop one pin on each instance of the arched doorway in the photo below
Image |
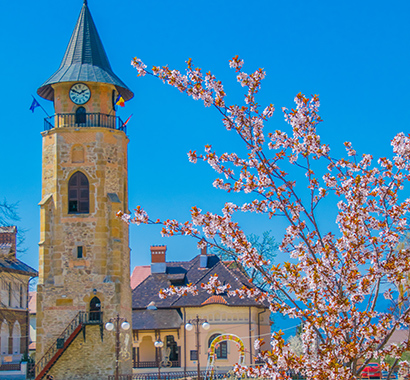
95	310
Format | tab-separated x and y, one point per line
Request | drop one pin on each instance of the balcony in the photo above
84	120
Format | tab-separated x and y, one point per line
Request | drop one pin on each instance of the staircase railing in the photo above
63	341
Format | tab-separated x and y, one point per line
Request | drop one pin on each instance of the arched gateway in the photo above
212	353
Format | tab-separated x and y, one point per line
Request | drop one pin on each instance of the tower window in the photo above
78	194
80	115
80	252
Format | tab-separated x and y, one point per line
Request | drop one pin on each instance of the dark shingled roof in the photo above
156	319
85	60
147	291
13	265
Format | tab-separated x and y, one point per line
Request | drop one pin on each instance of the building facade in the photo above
164	320
84	251
14	314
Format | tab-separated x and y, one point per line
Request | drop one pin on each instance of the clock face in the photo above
80	93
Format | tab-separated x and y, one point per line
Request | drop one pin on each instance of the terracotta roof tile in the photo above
139	274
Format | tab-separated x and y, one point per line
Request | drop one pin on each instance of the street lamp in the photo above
189	326
159	344
116	323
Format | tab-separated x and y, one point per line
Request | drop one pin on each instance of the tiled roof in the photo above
214	299
139	274
85	60
147	291
156	319
14	265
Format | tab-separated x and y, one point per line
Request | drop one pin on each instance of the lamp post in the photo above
116	323
189	326
159	344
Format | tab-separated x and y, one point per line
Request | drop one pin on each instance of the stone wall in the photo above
67	283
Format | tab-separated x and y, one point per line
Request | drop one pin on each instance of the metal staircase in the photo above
59	346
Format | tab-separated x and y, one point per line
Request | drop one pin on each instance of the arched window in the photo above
16	338
78	194
4	338
80	115
95	309
221	348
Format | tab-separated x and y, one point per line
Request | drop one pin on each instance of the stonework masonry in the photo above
68	283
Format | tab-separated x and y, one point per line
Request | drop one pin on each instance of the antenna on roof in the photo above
85	2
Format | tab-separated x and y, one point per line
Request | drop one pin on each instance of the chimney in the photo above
203	257
158	263
8	240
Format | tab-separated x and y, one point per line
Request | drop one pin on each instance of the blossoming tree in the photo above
331	280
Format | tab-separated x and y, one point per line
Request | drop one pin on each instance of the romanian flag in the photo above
120	101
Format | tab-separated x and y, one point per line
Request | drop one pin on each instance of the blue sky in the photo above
354	54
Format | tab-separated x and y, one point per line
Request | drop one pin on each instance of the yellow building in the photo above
160	337
84	251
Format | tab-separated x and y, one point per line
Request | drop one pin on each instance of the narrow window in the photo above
80	115
78	194
21	296
4	346
16	338
80	252
113	99
10	294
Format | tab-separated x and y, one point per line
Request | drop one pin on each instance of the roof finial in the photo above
85	2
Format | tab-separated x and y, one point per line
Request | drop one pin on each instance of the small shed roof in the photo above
156	319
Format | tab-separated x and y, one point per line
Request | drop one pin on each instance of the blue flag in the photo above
34	105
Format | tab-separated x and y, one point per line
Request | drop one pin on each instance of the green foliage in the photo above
405	357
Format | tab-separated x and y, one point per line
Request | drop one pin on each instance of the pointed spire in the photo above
85	60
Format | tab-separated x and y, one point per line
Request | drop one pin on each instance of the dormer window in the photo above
78	194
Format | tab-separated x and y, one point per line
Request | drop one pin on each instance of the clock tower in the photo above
84	266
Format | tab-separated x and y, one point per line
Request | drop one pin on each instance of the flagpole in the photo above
40	106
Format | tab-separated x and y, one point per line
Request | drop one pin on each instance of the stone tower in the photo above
84	252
